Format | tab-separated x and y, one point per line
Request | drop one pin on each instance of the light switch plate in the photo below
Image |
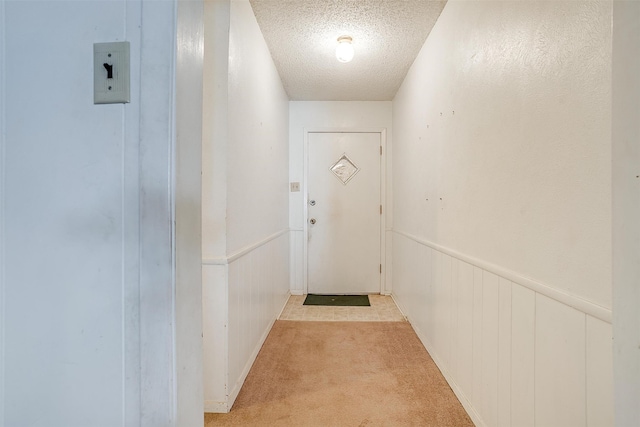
111	60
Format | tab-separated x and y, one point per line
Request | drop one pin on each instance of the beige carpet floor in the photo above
343	374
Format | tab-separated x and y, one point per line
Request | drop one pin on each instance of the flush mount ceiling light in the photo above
344	51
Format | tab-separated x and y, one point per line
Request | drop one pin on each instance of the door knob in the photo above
312	202
312	221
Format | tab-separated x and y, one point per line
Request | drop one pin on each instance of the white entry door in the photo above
344	213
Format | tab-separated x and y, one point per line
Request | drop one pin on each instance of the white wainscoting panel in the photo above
464	337
599	380
477	338
523	317
453	316
259	288
513	355
239	313
504	353
215	339
402	267
424	274
490	318
560	364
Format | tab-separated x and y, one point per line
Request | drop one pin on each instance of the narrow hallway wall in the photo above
245	202
502	208
86	257
626	210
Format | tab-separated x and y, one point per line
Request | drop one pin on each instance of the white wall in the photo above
626	210
502	195
258	159
329	115
188	213
245	205
87	279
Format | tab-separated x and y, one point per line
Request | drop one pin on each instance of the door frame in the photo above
383	196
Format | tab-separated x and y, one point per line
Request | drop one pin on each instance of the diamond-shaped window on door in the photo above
344	169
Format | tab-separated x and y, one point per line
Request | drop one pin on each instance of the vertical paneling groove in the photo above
490	327
247	305
586	371
453	341
523	353
433	298
599	381
445	308
477	338
533	368
258	288
504	354
2	194
253	305
465	326
513	356
232	324
424	289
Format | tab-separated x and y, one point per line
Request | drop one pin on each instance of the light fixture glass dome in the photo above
344	51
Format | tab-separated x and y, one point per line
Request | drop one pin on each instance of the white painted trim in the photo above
2	203
399	307
244	251
131	350
172	205
305	212
383	194
583	305
215	261
157	255
383	215
187	212
466	404
226	317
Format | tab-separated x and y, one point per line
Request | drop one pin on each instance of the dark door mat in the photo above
337	300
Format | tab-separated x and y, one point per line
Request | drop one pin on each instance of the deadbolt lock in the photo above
312	221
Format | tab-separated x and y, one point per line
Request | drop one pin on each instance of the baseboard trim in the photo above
581	304
400	308
242	252
214	407
466	403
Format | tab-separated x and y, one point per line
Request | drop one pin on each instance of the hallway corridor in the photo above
149	248
368	369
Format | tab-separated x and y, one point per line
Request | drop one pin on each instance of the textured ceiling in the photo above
302	37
